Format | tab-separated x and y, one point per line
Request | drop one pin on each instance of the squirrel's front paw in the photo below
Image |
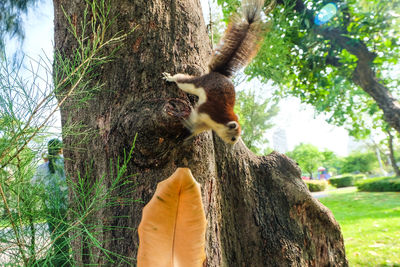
168	77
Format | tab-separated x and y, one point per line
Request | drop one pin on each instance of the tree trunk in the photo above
258	209
391	153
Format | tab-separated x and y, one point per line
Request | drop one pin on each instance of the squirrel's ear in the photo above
232	125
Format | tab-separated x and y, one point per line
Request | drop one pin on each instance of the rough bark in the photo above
259	211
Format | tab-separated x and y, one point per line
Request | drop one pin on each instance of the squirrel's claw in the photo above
167	77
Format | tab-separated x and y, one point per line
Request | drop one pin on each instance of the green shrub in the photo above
346	180
343	181
373	179
379	184
316	185
359	176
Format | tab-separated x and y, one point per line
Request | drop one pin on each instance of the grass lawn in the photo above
370	225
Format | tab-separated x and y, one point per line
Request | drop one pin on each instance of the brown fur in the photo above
220	96
240	42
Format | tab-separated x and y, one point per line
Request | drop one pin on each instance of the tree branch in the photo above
364	75
354	46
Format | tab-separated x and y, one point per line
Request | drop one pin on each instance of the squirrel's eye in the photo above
233	139
232	125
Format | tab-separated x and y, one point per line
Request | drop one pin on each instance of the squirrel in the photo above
215	89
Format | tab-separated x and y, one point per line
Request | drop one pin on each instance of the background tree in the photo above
331	161
360	162
255	118
259	211
392	156
308	157
336	66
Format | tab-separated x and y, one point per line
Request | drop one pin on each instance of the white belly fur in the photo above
203	122
191	89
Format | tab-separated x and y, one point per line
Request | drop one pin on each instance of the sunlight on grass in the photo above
370	225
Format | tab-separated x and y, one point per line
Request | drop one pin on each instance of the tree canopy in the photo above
359	162
331	162
307	156
344	67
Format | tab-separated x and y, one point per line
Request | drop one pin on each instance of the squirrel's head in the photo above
230	133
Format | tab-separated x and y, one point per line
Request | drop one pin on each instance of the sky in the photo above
303	126
298	120
39	30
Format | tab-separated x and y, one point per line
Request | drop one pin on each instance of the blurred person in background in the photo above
51	178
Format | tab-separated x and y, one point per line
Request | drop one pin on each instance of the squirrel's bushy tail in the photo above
241	40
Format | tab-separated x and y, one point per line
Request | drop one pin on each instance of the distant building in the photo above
279	140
